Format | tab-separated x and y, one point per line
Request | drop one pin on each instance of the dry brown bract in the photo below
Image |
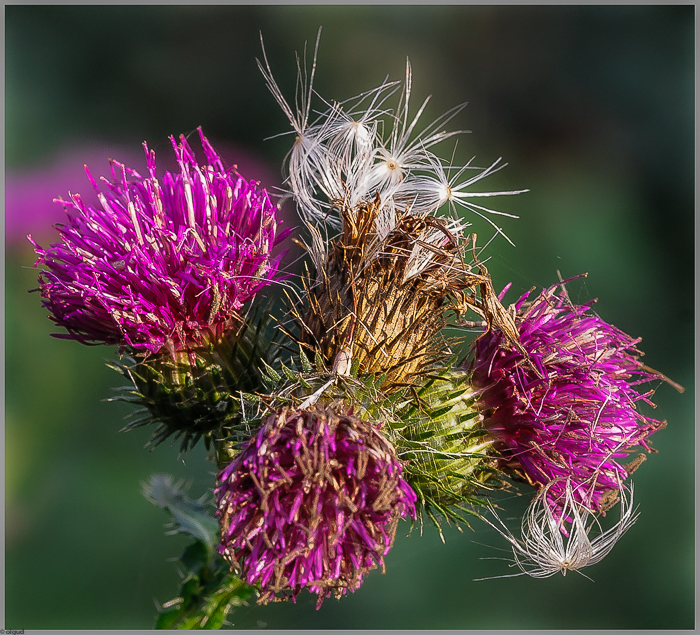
386	299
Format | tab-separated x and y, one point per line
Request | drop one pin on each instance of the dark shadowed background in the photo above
593	109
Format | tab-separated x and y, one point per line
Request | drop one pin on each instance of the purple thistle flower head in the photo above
163	263
313	501
575	417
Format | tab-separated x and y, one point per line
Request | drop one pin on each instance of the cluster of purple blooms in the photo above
313	498
166	265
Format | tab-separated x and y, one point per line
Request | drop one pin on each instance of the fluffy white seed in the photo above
550	545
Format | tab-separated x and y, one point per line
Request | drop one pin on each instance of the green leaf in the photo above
190	516
207	594
209	590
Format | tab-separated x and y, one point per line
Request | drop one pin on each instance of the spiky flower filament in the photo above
571	412
312	501
164	263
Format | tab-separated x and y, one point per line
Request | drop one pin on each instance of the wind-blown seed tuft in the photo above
359	149
554	543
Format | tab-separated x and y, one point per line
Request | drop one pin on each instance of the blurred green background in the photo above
593	109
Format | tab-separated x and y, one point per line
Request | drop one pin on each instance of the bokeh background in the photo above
593	109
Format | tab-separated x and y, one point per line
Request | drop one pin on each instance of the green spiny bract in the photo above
194	394
449	456
436	427
311	384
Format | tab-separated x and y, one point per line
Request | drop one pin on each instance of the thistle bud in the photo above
449	454
384	299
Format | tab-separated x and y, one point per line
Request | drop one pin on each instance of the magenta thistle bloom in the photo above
574	418
313	501
164	263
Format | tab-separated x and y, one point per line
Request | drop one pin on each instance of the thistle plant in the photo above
164	269
372	420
